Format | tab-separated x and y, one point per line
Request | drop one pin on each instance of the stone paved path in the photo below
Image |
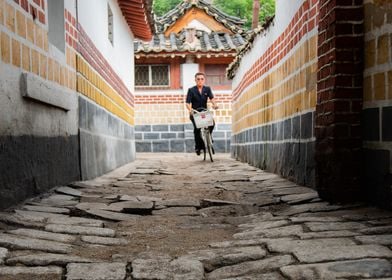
173	216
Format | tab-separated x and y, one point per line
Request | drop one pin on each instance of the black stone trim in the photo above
387	124
31	165
371	124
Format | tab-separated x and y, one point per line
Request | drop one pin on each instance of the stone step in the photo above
40	234
364	268
215	258
80	230
48	209
96	271
165	268
36	273
46	259
15	242
251	267
323	254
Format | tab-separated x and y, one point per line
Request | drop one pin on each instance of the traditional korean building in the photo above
193	37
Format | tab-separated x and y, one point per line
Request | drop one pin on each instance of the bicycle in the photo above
203	120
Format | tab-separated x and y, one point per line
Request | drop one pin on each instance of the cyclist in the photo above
196	99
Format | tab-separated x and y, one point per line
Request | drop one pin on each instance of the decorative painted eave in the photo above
233	67
139	16
234	24
200	41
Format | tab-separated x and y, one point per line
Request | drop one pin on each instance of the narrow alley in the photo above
174	216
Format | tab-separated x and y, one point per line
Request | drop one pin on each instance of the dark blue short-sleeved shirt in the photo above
199	100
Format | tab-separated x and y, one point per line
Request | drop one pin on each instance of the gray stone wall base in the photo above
106	142
285	148
31	165
177	138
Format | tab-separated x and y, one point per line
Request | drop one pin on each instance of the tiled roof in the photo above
232	23
232	69
190	40
139	16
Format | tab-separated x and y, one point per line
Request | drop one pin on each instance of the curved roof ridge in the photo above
233	23
203	41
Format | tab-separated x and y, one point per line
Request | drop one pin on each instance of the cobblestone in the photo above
174	216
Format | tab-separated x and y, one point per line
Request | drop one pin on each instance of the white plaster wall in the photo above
92	15
284	12
70	5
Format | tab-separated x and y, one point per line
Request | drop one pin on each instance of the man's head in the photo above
200	79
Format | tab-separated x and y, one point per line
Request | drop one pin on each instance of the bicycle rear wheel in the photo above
209	145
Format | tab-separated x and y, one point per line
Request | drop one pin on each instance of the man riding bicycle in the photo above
196	99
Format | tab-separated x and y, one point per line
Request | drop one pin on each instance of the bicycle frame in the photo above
206	136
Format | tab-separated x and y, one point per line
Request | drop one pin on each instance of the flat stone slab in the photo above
15	242
292	190
77	221
35	214
263	177
215	202
143	172
315	219
265	225
241	243
179	211
81	230
3	254
15	219
114	216
147	198
40	234
69	191
287	246
165	269
310	207
96	271
284	231
36	273
318	254
327	234
104	240
215	258
267	276
366	268
83	206
128	198
48	209
131	206
179	203
299	198
252	267
377	230
46	259
385	239
319	226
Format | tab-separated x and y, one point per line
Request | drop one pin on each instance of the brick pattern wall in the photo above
339	100
274	101
377	106
24	42
163	125
98	81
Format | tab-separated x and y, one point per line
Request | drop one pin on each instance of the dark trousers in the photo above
199	144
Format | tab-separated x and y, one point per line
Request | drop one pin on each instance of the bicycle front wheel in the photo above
209	144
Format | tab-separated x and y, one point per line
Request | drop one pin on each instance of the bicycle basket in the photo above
203	119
